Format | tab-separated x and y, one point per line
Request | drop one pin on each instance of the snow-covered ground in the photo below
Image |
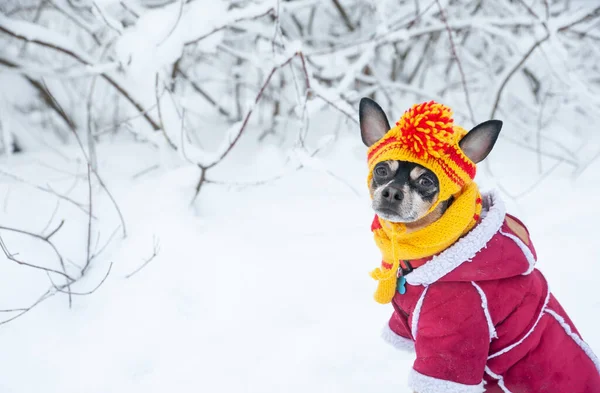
259	289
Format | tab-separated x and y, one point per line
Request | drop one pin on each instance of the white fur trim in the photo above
397	341
425	384
416	313
499	378
486	311
464	249
586	348
508	348
524	248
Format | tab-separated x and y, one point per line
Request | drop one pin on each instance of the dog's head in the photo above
404	191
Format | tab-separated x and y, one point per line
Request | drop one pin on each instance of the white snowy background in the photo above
183	201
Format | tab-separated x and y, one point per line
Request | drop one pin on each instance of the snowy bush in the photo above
191	78
189	75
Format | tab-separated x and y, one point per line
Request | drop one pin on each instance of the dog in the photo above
465	292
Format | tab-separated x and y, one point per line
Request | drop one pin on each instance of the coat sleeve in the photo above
397	332
452	338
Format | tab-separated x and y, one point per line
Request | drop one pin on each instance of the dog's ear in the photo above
373	122
478	142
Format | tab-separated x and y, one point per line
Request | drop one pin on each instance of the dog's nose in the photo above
392	194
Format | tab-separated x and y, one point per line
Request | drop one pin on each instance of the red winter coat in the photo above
482	319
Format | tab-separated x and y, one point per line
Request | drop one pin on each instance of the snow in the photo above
158	37
263	289
262	284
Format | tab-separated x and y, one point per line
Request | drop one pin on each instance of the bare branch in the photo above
458	62
512	71
259	14
69	292
12	257
155	252
160	117
102	184
344	15
46	190
249	112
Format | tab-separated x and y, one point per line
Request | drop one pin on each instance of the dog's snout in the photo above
392	194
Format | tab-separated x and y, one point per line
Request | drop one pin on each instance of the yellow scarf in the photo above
396	244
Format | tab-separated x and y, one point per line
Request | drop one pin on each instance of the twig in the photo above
91	291
88	252
116	29
147	261
110	238
75	19
230	23
44	296
46	190
349	116
200	183
250	111
539	132
458	62
90	126
595	12
160	117
52	233
539	180
172	29
131	11
56	206
344	15
277	30
102	184
12	257
145	171
514	69
203	93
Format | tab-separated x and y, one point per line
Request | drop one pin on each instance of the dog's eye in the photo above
425	181
381	171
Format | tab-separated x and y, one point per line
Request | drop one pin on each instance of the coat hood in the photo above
498	247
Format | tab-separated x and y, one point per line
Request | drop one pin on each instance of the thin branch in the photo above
110	238
102	184
348	115
343	14
88	252
203	93
233	22
172	29
458	62
11	256
594	13
46	190
131	11
148	260
56	206
160	117
44	296
514	69
53	232
250	111
200	183
107	21
59	289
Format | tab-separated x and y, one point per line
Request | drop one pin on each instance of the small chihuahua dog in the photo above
476	311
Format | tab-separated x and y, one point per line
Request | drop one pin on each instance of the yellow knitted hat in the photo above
426	135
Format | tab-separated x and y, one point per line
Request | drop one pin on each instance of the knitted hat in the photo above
426	135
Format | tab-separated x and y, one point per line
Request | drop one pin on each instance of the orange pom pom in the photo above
427	129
